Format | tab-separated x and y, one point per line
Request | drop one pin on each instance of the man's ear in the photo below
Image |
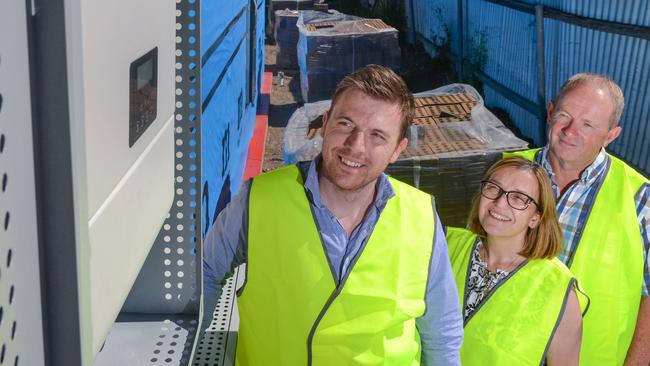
612	135
398	150
322	130
549	111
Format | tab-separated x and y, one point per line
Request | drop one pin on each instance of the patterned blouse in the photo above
480	282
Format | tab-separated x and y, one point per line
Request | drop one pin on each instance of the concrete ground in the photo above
285	99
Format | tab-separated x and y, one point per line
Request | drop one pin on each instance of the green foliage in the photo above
475	59
429	62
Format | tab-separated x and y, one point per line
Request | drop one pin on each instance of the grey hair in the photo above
601	81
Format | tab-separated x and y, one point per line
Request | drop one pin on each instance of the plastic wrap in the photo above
297	146
330	51
453	181
483	129
452	176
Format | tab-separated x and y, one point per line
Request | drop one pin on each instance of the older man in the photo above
345	266
604	210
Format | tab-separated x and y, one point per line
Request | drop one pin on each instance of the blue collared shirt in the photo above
441	326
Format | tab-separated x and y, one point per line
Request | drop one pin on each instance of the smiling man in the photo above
345	266
604	212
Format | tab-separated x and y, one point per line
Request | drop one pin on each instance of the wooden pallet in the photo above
371	24
433	140
443	108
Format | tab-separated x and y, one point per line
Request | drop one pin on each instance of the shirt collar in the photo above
384	190
589	175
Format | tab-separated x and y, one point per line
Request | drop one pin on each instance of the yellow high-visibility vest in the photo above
608	262
515	324
292	312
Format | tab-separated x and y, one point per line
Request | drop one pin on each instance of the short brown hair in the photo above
600	81
545	240
380	83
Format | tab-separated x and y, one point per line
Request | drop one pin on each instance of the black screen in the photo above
143	94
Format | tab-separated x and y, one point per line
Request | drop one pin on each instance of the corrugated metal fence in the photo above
500	39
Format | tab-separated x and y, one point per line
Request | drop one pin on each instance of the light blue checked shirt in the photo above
573	207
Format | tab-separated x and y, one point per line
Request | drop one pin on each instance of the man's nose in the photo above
570	128
356	141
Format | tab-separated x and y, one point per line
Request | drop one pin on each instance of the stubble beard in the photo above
336	180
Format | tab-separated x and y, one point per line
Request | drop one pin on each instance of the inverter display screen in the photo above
143	94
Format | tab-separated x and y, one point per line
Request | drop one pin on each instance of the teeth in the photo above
498	217
351	163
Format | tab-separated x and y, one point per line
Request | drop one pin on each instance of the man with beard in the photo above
344	265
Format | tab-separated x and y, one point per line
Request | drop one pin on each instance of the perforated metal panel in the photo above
149	340
216	347
21	335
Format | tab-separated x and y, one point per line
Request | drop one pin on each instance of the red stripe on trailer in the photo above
256	145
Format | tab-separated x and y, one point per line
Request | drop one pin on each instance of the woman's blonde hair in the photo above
545	240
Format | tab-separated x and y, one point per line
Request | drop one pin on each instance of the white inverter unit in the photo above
121	67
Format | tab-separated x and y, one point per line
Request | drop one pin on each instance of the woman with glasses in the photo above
521	306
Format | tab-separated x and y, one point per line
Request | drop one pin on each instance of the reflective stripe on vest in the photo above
293	313
514	325
608	262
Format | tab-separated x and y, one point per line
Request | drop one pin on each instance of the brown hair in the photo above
545	240
598	81
381	83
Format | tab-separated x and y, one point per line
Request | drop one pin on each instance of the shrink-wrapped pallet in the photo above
327	51
286	32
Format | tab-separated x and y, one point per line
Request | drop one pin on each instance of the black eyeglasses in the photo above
517	200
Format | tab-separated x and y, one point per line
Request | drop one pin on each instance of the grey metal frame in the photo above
21	326
57	229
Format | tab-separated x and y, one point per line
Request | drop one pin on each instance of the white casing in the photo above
129	190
